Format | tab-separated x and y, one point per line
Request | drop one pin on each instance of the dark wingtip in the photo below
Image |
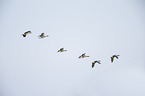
24	35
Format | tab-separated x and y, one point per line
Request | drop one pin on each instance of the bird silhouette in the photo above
114	56
83	55
61	50
93	63
28	32
42	35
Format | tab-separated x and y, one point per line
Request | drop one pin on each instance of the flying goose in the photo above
112	58
61	50
83	55
42	35
93	63
28	32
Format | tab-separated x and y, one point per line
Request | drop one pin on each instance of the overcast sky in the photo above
100	28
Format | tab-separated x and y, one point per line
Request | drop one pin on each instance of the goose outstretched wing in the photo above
42	34
93	64
112	58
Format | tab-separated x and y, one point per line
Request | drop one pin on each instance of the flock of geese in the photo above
62	50
40	36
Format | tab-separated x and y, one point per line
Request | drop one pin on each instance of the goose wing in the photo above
24	35
98	62
42	34
83	54
27	32
112	58
116	56
93	64
61	49
80	56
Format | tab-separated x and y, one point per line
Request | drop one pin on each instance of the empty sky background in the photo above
100	28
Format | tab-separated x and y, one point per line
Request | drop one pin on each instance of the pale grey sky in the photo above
100	28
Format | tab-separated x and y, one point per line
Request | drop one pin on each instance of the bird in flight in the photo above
83	55
93	63
114	56
28	32
61	50
42	35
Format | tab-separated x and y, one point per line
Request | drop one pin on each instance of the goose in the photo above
42	35
112	58
83	55
28	32
61	50
93	63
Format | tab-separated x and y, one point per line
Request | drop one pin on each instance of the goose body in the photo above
61	50
28	32
114	56
83	55
93	63
42	35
